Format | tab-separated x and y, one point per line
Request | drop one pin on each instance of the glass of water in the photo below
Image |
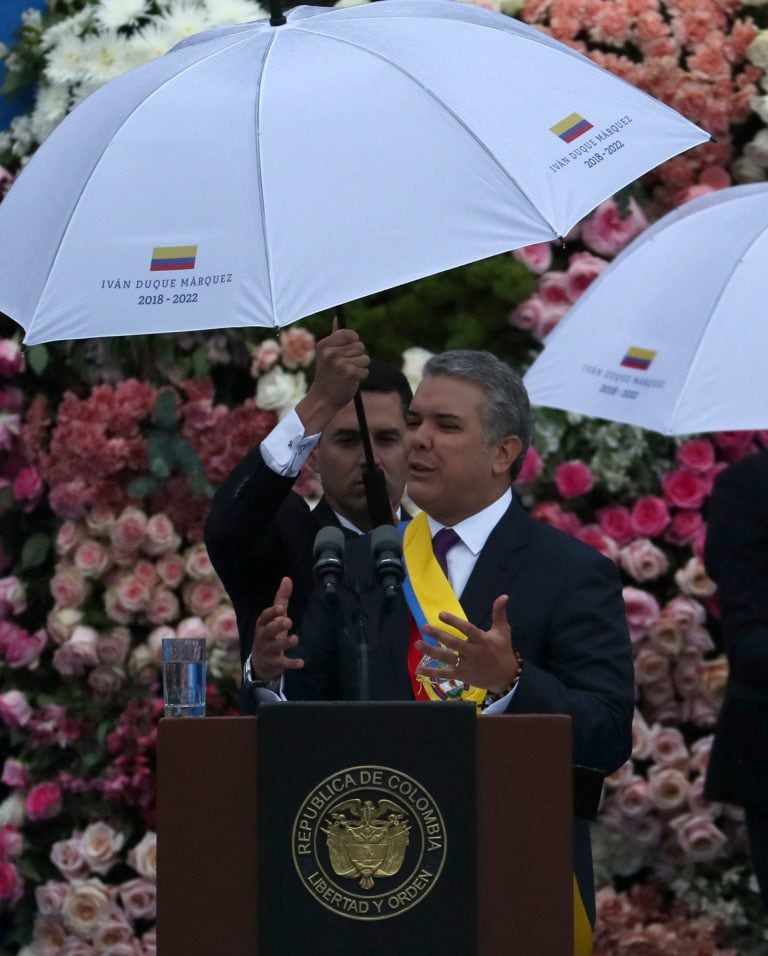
184	676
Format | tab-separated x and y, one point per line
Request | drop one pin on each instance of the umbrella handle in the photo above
276	18
376	496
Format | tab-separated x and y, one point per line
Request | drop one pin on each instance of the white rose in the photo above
100	845
143	857
12	810
280	391
757	51
86	906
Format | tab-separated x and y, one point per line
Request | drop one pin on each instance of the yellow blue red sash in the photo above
428	592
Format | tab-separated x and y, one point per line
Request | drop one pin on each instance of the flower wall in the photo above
110	451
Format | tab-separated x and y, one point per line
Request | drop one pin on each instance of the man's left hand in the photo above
485	659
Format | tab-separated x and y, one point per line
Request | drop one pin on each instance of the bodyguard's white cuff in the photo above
500	705
286	448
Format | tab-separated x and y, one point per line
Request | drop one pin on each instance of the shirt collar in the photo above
475	530
346	523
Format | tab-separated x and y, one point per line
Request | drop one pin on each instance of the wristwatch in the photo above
254	682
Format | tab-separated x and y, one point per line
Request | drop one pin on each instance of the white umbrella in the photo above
673	335
256	174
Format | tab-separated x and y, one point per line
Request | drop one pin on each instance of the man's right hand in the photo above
341	364
272	639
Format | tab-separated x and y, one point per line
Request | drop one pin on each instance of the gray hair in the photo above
507	410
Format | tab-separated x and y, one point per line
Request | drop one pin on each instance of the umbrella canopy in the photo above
673	335
256	174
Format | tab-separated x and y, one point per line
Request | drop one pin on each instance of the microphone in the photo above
328	557
387	550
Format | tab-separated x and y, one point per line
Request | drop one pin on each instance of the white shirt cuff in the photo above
286	448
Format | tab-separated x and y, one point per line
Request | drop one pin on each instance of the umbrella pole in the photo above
276	18
376	496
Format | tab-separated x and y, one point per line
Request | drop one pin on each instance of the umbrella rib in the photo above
260	182
446	107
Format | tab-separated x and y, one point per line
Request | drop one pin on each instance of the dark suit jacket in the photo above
736	557
257	532
567	619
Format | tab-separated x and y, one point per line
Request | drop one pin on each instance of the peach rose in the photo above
667	635
86	906
143	857
669	787
298	347
650	665
264	356
643	561
715	674
692	579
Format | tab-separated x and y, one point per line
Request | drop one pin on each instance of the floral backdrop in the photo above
110	451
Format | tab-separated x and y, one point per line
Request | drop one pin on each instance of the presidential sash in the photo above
428	592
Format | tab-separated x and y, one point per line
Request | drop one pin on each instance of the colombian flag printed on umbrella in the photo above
171	258
571	127
639	359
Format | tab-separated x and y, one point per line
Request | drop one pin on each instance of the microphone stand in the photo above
360	619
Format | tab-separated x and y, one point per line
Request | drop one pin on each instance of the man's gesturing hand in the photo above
271	638
485	659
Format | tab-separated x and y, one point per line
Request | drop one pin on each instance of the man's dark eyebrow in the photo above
345	433
387	432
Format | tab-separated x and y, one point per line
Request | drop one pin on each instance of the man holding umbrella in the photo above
523	618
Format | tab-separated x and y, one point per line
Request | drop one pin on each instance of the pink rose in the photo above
634	798
583	269
650	665
202	597
68	537
573	478
667	635
537	257
128	531
67	857
11	358
734	444
650	516
642	737
143	857
642	609
700	711
222	624
661	691
145	571
116	611
170	569
668	786
532	468
62	621
618	779
198	564
192	627
43	801
697	455
100	519
23	650
616	521
264	357
100	845
15	774
687	678
645	830
50	896
684	489
164	606
13	597
139	899
668	747
91	558
149	943
160	536
298	347
76	654
14	709
643	561
132	593
115	937
537	316
112	646
608	229
11	885
106	680
685	528
11	843
68	586
699	838
552	513
595	537
700	751
28	487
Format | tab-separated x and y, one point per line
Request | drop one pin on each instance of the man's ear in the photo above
506	454
312	460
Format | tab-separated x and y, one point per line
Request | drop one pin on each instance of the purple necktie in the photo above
442	543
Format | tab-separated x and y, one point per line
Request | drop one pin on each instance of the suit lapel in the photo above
498	563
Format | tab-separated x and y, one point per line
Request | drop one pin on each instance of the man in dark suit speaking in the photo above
534	621
258	531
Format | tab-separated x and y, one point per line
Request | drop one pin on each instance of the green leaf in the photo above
164	416
35	550
160	452
37	358
200	364
141	487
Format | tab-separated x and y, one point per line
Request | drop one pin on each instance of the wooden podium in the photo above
209	838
